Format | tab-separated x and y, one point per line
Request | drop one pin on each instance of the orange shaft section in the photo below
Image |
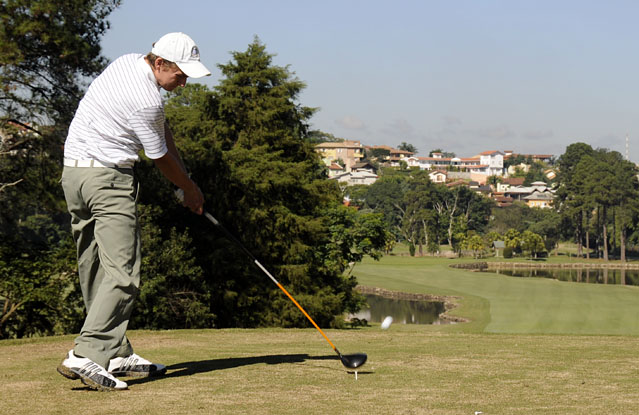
306	314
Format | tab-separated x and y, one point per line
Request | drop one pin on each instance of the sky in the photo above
462	76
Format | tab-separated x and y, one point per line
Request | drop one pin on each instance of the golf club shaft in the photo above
260	266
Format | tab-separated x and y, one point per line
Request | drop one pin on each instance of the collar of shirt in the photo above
148	71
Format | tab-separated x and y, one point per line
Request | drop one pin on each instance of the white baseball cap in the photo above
181	49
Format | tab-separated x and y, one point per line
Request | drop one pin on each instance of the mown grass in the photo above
500	304
411	370
496	364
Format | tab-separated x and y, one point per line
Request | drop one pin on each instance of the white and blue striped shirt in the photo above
121	113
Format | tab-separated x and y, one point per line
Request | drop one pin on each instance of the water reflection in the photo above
587	275
402	311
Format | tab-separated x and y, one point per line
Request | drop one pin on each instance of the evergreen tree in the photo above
571	199
626	190
246	144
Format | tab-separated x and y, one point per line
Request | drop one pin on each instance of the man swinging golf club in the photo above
121	114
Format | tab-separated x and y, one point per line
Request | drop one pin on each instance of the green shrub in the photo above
508	252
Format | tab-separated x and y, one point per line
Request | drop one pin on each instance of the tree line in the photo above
598	196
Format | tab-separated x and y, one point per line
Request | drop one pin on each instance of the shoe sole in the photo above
70	374
96	386
67	373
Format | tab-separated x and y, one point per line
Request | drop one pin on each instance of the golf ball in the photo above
387	322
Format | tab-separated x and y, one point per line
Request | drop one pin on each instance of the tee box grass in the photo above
502	362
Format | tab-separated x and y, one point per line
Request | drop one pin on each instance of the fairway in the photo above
501	304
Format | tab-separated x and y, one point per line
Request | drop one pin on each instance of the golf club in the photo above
351	361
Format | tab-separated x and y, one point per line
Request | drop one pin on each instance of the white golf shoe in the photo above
90	373
135	366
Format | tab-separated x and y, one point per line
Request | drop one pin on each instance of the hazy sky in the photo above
464	76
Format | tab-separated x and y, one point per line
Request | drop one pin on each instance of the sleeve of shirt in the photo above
148	125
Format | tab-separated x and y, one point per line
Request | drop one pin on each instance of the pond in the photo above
402	311
586	275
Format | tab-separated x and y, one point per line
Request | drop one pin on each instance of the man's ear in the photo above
159	62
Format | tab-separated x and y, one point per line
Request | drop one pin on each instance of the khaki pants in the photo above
102	204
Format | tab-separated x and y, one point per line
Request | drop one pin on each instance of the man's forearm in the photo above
173	169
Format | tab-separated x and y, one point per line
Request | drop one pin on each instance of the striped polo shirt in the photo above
121	113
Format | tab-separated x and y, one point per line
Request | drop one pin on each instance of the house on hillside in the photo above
539	199
435	162
538	194
544	158
437	176
482	169
395	155
466	163
507	182
501	200
399	156
479	167
334	170
364	166
484	190
348	152
428	163
541	185
352	178
444	163
493	162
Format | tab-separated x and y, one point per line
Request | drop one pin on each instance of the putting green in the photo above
501	304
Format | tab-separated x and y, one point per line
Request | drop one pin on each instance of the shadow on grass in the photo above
204	366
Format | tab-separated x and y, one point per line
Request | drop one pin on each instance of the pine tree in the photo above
247	145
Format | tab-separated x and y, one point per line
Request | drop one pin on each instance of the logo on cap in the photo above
195	53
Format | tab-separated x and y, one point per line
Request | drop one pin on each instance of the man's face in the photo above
169	76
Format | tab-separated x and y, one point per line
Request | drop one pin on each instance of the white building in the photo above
356	177
493	162
438	176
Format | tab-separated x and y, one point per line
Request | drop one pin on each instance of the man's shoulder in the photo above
131	57
130	61
130	76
